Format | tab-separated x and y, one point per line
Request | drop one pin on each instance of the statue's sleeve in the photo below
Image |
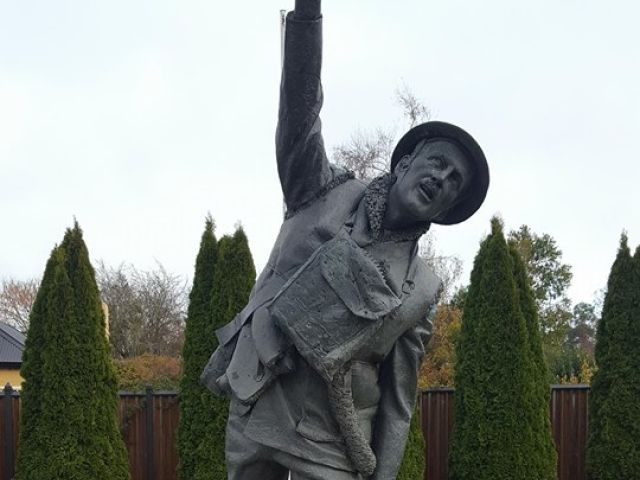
302	161
398	384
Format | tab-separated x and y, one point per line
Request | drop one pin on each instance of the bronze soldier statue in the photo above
321	365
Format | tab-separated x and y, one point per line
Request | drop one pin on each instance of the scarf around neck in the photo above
375	198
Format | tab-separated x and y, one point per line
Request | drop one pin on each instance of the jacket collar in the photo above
375	202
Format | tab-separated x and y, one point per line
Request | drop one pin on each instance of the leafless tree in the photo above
146	309
368	153
16	301
447	267
413	109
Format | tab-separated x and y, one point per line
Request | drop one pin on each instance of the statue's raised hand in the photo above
307	9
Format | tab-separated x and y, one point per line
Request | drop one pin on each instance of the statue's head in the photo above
442	176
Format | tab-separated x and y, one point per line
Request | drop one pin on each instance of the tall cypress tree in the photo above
613	447
49	306
69	424
542	456
492	437
466	400
195	400
412	467
234	278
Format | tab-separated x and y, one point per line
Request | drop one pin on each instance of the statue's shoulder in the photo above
343	188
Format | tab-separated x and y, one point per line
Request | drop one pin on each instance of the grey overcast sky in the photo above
140	117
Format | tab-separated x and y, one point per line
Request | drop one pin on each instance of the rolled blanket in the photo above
341	401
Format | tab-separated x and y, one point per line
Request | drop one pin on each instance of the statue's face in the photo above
430	181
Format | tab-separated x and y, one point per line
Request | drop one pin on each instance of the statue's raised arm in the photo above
302	161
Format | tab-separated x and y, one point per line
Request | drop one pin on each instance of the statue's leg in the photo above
325	473
302	469
247	459
264	470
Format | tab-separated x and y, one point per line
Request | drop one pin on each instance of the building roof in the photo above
11	344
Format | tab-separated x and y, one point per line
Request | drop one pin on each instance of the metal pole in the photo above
150	457
283	28
8	431
283	32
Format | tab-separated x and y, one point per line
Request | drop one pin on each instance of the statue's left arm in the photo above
303	166
398	383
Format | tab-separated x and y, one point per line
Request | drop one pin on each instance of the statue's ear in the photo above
403	164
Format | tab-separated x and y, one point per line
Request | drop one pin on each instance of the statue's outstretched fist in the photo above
307	9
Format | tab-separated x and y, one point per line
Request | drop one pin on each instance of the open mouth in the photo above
427	191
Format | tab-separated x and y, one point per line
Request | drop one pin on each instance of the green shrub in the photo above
500	431
613	446
200	341
412	467
542	456
68	424
159	371
234	278
224	277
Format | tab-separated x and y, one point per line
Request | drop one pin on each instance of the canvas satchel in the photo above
333	304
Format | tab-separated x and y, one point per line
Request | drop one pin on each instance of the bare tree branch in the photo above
16	301
368	153
447	267
146	309
413	109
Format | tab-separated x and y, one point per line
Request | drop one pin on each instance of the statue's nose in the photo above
435	179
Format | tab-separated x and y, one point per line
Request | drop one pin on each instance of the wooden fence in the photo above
568	412
150	433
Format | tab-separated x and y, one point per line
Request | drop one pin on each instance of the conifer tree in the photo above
613	447
234	278
69	426
47	309
542	457
412	467
466	399
195	400
492	436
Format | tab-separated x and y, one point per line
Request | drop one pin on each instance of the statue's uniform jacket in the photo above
285	402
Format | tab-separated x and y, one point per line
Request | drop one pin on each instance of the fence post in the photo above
8	431
149	453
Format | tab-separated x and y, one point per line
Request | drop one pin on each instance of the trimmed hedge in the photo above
68	425
233	280
412	467
196	402
499	431
159	371
544	458
613	446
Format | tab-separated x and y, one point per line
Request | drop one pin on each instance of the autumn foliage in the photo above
160	371
438	365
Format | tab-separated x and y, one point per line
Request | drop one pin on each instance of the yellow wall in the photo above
11	376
